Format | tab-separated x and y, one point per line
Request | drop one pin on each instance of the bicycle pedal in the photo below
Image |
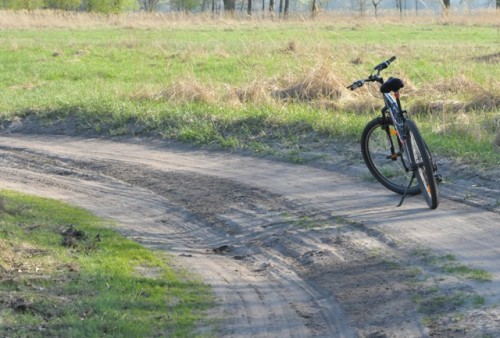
438	178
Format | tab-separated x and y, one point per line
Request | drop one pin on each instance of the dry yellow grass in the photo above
188	90
63	19
317	83
455	95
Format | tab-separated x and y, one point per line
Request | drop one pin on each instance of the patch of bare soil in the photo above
290	251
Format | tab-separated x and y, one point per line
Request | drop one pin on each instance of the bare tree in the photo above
249	8
445	6
421	2
399	6
315	8
375	5
491	2
229	5
361	5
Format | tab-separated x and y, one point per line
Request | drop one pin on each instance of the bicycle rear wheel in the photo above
420	156
389	166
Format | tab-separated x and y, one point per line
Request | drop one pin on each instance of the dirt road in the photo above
290	251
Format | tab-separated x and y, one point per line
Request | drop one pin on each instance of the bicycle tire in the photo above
420	156
392	172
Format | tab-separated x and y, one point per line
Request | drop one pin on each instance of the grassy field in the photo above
65	273
265	85
268	86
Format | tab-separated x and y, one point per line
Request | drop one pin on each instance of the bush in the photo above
63	4
107	6
22	4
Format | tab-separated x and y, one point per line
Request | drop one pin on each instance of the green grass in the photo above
470	273
435	304
111	287
216	84
448	264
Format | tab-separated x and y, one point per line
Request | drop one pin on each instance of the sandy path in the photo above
276	278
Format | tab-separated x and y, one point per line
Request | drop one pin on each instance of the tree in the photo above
249	8
229	5
185	5
361	4
445	6
375	5
271	6
22	4
399	6
148	5
106	6
315	8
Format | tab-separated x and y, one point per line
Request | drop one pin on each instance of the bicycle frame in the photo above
393	105
396	114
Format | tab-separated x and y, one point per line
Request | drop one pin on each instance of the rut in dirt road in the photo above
290	251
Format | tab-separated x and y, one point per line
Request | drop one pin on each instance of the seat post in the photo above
396	95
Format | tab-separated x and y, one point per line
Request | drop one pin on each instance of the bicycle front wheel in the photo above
423	167
385	158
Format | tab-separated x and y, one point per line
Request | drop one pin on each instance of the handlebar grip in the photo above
356	85
385	64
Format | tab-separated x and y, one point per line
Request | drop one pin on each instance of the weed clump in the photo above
257	91
456	95
78	239
318	83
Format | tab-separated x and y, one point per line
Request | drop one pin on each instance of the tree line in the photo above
281	7
102	6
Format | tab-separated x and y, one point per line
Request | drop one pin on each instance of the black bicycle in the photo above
392	146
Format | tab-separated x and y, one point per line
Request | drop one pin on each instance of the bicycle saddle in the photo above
393	84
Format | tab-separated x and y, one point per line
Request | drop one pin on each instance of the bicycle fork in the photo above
413	167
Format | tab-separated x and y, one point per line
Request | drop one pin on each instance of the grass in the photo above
438	296
266	86
89	283
437	304
449	264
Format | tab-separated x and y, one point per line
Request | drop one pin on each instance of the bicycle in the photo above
393	148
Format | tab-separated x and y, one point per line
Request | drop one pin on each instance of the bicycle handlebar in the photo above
373	77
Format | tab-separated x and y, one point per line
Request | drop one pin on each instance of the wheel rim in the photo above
390	169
